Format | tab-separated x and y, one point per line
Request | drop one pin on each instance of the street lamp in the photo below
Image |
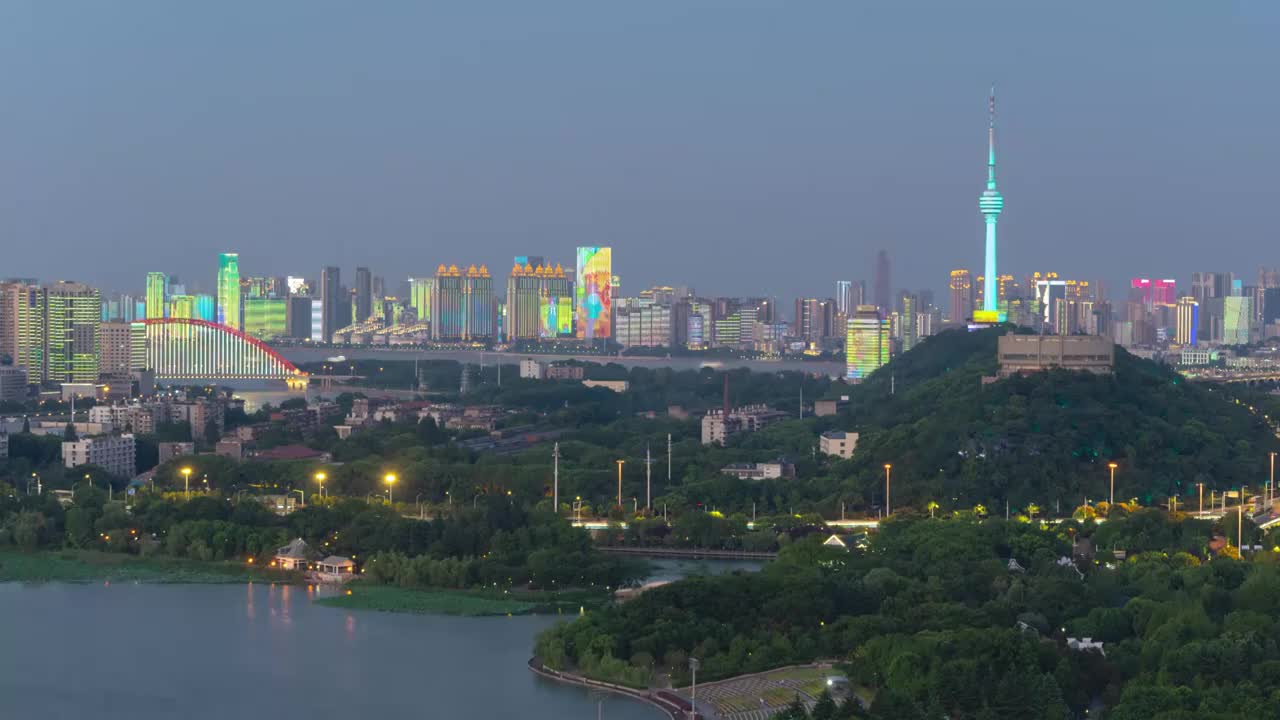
1113	467
320	478
1271	485
693	689
620	462
887	467
391	483
186	481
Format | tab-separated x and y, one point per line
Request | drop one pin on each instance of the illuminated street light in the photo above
1113	467
186	481
320	478
887	467
620	462
391	483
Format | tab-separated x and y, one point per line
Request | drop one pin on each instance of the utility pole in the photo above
1201	488
620	462
1271	485
555	479
648	479
801	398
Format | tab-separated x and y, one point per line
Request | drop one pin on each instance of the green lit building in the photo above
73	320
420	297
22	320
157	292
182	306
266	318
229	290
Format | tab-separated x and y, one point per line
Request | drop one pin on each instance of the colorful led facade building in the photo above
182	306
22	327
266	318
594	290
229	290
157	294
991	203
462	304
73	322
420	297
867	342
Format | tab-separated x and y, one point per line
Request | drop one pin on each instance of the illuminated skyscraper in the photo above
183	306
462	304
266	318
961	286
73	313
1188	320
991	204
420	297
910	327
594	289
866	342
229	290
22	327
539	302
157	292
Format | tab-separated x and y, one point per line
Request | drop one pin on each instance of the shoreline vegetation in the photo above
466	603
87	566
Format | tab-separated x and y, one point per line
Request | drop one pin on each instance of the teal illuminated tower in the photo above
229	290
991	204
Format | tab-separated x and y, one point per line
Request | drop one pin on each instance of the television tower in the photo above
991	204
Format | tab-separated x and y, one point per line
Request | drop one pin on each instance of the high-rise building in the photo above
266	317
815	319
991	203
961	286
883	288
331	303
462	304
844	294
867	342
183	307
73	324
298	317
1188	320
594	290
123	350
205	307
157	292
642	322
1237	320
420	297
22	327
539	302
364	294
229	290
910	326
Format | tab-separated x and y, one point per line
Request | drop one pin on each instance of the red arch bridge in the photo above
190	349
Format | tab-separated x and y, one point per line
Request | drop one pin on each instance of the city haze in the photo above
738	147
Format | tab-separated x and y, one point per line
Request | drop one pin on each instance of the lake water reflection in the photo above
261	651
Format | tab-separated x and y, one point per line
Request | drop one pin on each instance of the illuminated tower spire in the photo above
991	204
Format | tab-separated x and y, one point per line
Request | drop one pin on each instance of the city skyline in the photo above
301	162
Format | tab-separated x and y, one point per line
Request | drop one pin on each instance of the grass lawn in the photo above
388	598
90	566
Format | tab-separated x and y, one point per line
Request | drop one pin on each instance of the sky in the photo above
740	147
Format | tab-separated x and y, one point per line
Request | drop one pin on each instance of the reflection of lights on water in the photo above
351	627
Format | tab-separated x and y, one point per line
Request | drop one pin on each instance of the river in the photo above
145	652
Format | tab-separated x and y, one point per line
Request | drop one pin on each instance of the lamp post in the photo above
693	689
887	509
620	463
320	478
1200	486
1271	484
391	483
1113	467
186	481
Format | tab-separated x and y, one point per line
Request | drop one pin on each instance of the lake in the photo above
147	652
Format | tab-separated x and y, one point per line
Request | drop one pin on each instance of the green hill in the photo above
1044	437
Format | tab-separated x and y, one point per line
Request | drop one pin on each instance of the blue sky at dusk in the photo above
742	147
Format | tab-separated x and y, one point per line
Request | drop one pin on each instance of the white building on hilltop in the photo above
116	454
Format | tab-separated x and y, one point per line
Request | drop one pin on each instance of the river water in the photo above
145	652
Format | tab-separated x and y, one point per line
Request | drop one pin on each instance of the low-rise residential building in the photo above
13	383
838	443
116	454
231	449
564	372
171	450
759	471
718	427
531	369
618	386
825	408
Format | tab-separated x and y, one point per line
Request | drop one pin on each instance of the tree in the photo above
69	433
